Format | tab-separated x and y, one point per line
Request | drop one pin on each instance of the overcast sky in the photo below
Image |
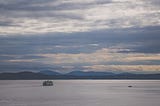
73	35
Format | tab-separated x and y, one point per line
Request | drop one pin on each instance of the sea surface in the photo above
80	93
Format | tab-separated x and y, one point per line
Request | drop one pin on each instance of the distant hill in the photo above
48	72
89	73
22	75
74	75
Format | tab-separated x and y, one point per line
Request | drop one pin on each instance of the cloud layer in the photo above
90	35
94	51
28	17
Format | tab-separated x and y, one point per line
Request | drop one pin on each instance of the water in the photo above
80	93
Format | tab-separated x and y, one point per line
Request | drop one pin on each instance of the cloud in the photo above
143	40
125	68
71	34
101	60
39	17
96	57
102	56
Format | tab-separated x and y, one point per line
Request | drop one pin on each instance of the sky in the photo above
80	35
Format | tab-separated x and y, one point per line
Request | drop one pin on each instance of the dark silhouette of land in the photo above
74	75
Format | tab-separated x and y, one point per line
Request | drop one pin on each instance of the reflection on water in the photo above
80	93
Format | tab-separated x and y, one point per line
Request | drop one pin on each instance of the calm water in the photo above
80	93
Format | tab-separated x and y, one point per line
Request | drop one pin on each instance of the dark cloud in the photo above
22	66
144	40
40	5
5	23
155	2
38	9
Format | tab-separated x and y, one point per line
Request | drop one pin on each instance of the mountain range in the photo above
47	74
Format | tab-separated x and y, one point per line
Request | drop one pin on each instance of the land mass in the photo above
74	75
